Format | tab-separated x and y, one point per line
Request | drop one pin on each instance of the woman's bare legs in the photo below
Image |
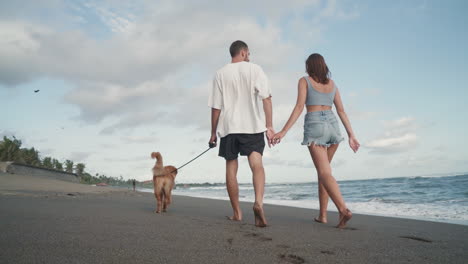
322	192
320	158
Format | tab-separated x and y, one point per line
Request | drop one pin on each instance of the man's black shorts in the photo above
233	144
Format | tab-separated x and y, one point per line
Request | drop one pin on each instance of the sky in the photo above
121	79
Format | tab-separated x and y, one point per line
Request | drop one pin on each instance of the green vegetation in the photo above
10	150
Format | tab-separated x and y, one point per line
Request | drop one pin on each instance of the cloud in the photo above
78	157
139	139
399	136
7	133
392	144
155	66
136	159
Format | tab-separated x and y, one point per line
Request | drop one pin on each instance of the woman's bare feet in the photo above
260	220
344	218
322	220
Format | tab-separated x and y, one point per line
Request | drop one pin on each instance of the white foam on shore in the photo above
453	214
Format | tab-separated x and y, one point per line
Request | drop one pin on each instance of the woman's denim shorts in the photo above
321	128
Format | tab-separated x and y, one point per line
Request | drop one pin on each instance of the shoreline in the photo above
330	209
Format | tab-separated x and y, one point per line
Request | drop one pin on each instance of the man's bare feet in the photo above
321	220
233	218
344	218
260	220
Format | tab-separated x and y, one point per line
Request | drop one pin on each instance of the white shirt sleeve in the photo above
215	99
261	84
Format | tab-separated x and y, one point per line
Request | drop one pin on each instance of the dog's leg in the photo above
167	197
159	198
165	203
158	194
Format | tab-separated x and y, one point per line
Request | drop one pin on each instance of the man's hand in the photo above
277	138
270	133
213	140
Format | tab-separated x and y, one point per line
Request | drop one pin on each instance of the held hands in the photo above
354	144
277	137
269	135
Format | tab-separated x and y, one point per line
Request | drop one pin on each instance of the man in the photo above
237	117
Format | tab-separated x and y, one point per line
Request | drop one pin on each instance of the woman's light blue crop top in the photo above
315	97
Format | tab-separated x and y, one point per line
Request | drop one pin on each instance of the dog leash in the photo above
211	145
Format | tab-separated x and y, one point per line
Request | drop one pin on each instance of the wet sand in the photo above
52	221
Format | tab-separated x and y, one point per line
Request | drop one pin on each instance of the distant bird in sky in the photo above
36	91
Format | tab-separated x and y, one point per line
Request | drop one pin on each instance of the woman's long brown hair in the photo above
317	68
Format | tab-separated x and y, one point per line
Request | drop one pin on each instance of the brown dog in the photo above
163	181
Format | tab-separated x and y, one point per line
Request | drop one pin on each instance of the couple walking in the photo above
241	113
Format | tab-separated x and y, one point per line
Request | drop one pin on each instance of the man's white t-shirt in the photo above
238	90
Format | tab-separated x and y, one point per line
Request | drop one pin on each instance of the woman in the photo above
321	132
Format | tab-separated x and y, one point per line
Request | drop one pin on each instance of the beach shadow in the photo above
327	252
417	239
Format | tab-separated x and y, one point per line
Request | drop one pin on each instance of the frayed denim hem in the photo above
314	142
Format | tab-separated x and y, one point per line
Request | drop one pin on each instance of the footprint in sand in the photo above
417	239
259	236
252	235
290	258
327	252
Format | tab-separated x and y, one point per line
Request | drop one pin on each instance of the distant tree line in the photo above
10	150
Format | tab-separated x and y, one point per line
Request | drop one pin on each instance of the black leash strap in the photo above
212	145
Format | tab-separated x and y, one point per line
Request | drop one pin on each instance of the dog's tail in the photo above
155	155
159	159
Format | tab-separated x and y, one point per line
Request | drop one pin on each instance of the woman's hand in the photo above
278	136
354	144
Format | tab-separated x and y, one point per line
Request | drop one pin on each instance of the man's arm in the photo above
268	109
214	125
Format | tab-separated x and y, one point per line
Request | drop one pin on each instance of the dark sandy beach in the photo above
51	221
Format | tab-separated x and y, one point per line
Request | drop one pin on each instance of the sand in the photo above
52	221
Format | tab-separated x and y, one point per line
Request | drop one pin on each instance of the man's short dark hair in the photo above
236	47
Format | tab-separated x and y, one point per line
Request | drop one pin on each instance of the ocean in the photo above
442	199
